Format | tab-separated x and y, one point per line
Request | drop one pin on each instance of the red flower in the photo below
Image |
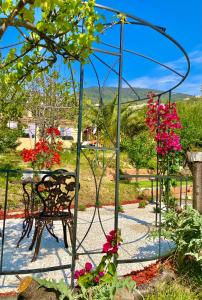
106	247
112	233
97	279
82	272
46	152
109	238
114	249
53	131
88	267
113	242
76	275
56	158
59	145
101	274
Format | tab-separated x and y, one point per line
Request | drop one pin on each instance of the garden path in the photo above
135	225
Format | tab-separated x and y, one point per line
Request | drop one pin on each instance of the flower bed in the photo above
150	272
8	294
16	214
145	275
140	276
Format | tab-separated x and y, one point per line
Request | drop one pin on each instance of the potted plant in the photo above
46	152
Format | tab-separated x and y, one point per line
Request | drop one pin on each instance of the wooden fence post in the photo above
195	165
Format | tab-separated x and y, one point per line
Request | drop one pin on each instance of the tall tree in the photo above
48	29
11	109
104	118
51	101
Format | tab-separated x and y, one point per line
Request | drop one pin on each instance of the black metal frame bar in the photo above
118	129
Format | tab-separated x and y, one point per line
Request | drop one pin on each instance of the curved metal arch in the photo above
135	23
115	72
146	57
159	30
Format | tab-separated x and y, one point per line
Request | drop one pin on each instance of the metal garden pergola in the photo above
119	52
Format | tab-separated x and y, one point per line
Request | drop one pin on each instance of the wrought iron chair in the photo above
31	209
56	191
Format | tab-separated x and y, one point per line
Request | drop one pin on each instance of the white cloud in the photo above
196	57
180	64
190	86
152	82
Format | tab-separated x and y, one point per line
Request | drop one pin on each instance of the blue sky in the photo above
183	21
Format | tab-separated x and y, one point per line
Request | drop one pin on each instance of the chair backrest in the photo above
57	191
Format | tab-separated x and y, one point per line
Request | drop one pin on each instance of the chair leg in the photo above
49	227
70	227
64	226
25	229
30	227
38	240
34	236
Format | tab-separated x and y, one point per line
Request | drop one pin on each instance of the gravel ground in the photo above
135	225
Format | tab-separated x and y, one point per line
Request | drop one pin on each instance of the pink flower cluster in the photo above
167	142
90	276
88	269
112	244
164	120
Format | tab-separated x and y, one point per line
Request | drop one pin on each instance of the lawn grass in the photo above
88	190
92	183
147	183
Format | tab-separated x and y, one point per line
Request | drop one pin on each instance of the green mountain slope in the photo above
127	94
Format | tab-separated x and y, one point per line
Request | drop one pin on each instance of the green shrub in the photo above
141	150
172	292
185	230
170	201
156	210
191	132
68	156
81	207
107	291
99	292
120	209
8	139
142	204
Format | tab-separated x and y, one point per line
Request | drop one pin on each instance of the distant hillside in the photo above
127	94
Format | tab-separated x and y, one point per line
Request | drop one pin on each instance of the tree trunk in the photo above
137	173
195	165
31	290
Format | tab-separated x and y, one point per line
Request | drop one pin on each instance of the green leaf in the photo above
60	286
111	268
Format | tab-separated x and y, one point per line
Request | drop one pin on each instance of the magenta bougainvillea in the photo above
112	244
163	120
106	270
